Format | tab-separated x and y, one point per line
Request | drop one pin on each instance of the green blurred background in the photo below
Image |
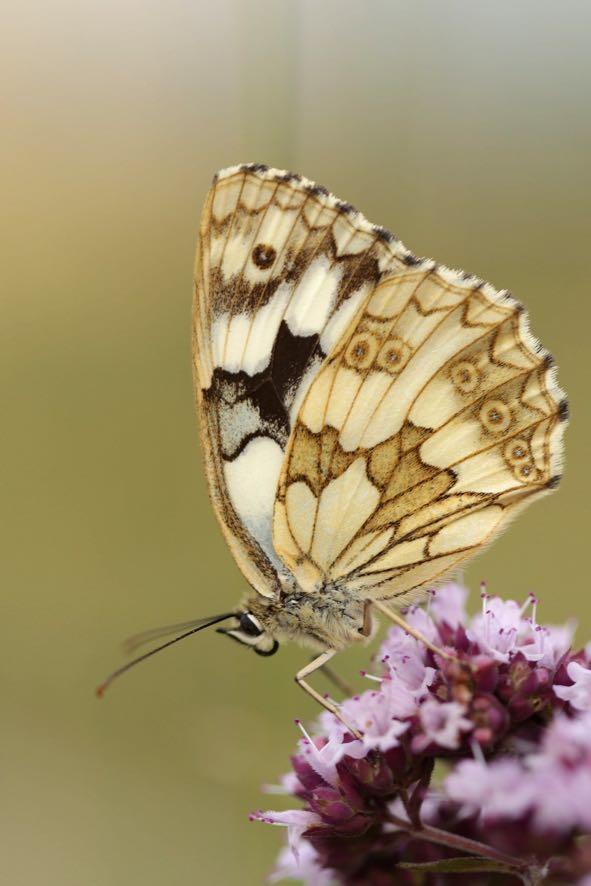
465	128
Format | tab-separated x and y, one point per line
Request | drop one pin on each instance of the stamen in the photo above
542	634
371	677
306	735
483	596
534	608
513	639
531	600
321	762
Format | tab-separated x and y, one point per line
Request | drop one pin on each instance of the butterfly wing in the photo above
433	422
282	269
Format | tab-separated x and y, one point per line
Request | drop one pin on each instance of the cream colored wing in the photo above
434	420
282	269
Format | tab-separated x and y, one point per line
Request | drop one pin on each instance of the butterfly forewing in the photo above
282	270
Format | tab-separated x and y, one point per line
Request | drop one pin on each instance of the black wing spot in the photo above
383	235
317	190
269	393
263	256
289	177
411	260
254	167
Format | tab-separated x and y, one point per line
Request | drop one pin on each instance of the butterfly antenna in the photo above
136	640
204	623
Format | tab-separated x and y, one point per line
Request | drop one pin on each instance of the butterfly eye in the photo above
249	625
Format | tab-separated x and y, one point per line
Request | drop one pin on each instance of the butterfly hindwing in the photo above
434	420
282	269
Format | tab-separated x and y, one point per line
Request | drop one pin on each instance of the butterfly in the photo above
370	420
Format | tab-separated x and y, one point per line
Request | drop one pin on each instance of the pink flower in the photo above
411	673
305	866
288	784
419	618
562	800
448	604
375	715
503	630
554	784
442	724
399	645
295	820
402	701
497	628
324	759
579	694
496	790
567	741
558	640
500	692
562	772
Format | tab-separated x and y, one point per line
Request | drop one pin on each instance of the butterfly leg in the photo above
326	703
398	620
365	629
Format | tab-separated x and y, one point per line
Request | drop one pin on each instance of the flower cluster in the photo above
476	759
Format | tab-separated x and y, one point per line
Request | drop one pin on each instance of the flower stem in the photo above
461	844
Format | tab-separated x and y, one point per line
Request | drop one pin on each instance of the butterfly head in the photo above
329	619
247	629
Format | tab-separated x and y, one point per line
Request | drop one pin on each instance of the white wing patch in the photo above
251	480
314	298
